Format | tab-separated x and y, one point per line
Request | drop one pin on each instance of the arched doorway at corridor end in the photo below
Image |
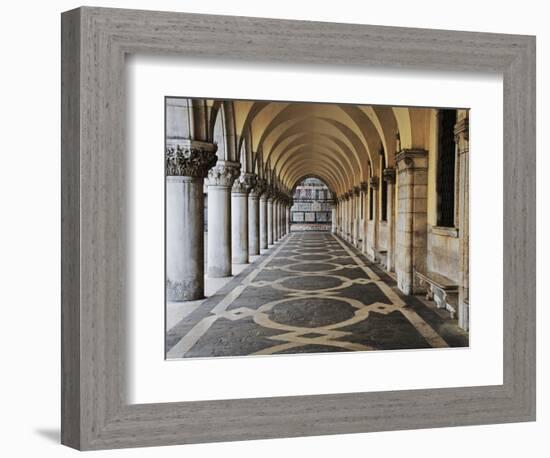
312	206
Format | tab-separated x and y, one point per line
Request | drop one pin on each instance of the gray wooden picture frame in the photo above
95	413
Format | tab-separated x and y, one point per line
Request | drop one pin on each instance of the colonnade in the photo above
245	215
404	241
356	219
402	203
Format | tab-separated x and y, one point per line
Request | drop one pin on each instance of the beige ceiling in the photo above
339	143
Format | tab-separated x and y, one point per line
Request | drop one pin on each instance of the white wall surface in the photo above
30	228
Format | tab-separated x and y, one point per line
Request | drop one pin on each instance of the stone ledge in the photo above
444	231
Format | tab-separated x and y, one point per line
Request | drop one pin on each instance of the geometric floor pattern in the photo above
311	293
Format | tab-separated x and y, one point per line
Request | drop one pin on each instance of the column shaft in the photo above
275	220
364	220
253	224
270	221
263	222
184	238
374	190
239	227
220	181
219	231
391	227
288	219
462	140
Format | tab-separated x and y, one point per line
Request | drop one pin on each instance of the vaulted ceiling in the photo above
339	143
342	144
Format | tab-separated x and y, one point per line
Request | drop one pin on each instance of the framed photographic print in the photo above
285	228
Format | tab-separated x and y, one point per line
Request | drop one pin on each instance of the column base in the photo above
217	273
181	291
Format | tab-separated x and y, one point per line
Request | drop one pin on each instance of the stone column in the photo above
254	218
239	217
411	235
270	220
341	216
356	215
345	216
263	220
283	218
280	219
352	217
334	224
462	138
220	180
388	175
373	183
288	217
186	166
276	216
365	193
348	216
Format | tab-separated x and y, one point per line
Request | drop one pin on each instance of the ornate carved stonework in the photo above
357	190
274	194
223	173
190	158
268	191
263	189
259	187
412	159
364	186
462	135
244	183
389	175
373	182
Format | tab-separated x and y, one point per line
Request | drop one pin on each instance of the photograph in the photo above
295	227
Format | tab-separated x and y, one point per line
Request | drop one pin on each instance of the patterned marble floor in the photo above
310	293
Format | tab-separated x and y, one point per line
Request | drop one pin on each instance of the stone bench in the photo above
382	257
440	289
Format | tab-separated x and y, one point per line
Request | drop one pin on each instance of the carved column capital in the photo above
190	158
259	188
223	174
357	190
388	175
462	135
373	182
269	192
266	194
412	159
364	186
244	183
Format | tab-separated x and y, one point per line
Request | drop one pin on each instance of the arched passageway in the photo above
312	206
387	185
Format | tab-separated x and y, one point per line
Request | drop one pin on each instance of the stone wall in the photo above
370	239
383	236
443	252
411	235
